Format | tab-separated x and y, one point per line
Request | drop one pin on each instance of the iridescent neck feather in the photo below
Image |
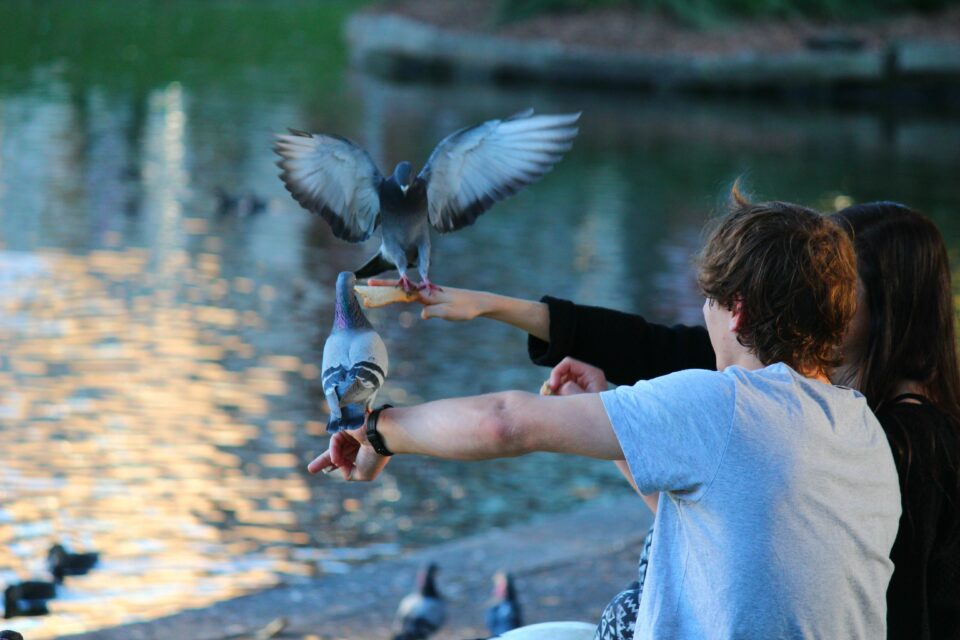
348	313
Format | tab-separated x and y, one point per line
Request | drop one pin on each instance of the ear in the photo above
736	316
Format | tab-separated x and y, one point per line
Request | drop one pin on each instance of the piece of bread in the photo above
372	297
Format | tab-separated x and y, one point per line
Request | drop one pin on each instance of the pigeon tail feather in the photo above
351	417
374	266
377	265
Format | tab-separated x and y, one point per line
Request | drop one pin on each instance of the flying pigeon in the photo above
504	614
354	361
65	563
469	171
422	612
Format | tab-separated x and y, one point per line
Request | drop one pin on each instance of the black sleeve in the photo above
624	345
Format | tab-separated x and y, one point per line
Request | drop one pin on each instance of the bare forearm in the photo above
501	425
473	428
527	315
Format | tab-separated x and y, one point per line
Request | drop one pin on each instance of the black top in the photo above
624	345
923	599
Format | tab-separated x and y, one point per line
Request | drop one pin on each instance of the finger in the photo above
345	452
558	376
377	282
320	463
344	448
358	435
570	388
336	450
369	465
434	311
568	369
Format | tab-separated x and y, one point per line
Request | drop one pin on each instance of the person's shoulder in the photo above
782	374
920	423
687	387
694	379
773	374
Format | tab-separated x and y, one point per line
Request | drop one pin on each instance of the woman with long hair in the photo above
900	352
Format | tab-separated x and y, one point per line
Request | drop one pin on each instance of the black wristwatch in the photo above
373	436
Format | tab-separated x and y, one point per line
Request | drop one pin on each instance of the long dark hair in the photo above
903	264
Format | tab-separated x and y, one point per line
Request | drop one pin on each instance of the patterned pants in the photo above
619	617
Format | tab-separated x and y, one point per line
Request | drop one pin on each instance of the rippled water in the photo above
160	392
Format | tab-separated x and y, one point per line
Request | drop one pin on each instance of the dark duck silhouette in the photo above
422	612
240	205
65	563
505	613
24	599
355	361
468	171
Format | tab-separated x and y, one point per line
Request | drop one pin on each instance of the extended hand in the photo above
350	452
447	303
571	377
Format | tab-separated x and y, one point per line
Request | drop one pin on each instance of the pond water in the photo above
159	390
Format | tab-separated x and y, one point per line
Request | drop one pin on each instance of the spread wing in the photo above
475	167
334	178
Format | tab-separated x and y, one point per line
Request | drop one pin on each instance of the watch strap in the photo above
373	436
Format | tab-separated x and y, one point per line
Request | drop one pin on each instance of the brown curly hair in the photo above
791	272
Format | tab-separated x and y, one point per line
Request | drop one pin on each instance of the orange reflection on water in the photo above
137	421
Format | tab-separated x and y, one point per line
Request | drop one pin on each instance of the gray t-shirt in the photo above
779	504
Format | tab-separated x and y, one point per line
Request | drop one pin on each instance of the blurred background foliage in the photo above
710	12
151	42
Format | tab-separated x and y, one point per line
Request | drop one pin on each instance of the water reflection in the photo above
126	400
160	390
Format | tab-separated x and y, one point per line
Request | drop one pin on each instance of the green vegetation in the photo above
141	43
701	12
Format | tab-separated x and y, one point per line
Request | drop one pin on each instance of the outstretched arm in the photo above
465	304
624	345
497	425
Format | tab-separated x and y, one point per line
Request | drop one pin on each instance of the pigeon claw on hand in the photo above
405	284
428	287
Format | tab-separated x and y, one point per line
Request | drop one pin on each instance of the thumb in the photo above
433	311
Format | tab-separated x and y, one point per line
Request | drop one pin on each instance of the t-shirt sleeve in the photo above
674	429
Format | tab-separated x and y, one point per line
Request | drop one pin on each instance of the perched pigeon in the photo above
465	175
504	614
354	361
65	563
422	612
